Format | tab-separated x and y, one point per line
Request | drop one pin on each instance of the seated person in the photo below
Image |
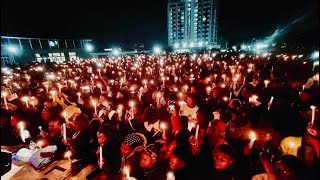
80	141
108	139
53	137
131	148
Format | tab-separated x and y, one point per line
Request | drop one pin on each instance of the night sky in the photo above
145	21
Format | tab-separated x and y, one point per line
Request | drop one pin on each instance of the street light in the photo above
12	49
89	47
157	50
315	55
176	45
115	52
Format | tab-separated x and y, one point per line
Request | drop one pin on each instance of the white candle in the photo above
21	128
26	99
253	137
79	96
64	128
59	86
131	108
68	155
230	95
270	103
4	94
170	176
313	111
99	85
120	111
266	82
94	105
40	128
126	172
163	127
197	131
101	163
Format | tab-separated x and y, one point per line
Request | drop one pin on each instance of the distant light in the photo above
234	48
157	50
264	54
315	55
53	43
192	44
200	44
261	46
242	56
243	46
300	56
89	47
115	52
12	49
176	45
214	54
184	45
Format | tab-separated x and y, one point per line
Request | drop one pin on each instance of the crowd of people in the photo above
188	116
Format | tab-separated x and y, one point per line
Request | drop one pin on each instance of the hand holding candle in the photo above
170	176
126	171
25	99
94	105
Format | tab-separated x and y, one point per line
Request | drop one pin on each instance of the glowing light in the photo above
200	44
12	49
115	52
157	50
89	47
176	45
315	55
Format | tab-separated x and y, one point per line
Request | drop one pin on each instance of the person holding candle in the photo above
80	141
131	148
223	161
109	139
149	162
53	137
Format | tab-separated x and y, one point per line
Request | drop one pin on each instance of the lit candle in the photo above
313	111
120	107
101	163
26	99
270	102
163	127
99	85
40	128
94	105
163	79
64	128
21	128
145	83
230	95
223	77
79	96
253	137
4	94
197	131
131	104
225	99
68	155
170	176
99	71
126	171
40	144
59	86
266	82
47	87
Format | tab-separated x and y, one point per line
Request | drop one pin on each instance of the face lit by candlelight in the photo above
102	138
222	161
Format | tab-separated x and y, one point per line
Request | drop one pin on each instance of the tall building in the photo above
192	24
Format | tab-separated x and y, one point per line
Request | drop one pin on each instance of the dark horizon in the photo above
143	21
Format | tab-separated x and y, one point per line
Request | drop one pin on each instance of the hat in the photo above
71	110
135	140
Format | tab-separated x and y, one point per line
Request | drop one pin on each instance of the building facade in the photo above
15	50
192	24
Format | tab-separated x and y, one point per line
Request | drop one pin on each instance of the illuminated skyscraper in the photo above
192	24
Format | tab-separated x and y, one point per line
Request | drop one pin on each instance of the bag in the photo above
37	161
